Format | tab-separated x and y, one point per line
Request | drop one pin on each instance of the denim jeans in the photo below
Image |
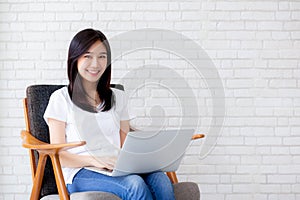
131	187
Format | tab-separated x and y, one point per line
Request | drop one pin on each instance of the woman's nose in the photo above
94	63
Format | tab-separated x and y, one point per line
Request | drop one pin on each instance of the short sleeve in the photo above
121	101
57	107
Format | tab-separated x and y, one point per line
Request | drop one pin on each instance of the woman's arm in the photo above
57	135
124	129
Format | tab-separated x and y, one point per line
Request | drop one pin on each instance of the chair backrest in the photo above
37	101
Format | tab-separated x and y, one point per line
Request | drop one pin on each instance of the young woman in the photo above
88	109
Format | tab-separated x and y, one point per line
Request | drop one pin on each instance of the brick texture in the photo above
254	45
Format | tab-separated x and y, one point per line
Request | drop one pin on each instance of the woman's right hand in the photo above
104	162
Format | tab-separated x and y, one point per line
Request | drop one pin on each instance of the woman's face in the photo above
92	63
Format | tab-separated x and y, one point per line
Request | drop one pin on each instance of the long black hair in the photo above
80	43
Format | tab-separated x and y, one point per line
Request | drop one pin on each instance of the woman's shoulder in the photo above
61	93
120	95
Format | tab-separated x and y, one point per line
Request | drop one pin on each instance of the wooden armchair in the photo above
48	181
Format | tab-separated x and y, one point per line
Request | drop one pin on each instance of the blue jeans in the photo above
131	187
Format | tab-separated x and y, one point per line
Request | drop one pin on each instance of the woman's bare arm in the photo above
124	129
57	135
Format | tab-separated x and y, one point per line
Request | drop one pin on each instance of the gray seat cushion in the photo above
186	191
94	196
183	191
85	196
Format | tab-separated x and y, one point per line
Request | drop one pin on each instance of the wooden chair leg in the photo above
32	163
38	178
60	182
172	176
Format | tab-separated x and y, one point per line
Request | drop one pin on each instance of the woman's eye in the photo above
87	56
102	56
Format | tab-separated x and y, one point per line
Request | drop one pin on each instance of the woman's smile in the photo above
93	72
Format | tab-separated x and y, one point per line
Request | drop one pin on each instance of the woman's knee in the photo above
137	188
160	185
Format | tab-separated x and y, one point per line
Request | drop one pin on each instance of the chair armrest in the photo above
45	150
31	142
197	136
194	137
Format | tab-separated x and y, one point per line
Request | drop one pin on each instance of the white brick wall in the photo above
255	47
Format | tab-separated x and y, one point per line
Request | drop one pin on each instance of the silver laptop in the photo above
150	151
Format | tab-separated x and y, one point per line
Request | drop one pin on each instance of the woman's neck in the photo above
92	93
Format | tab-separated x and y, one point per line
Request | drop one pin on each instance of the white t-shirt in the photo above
100	130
